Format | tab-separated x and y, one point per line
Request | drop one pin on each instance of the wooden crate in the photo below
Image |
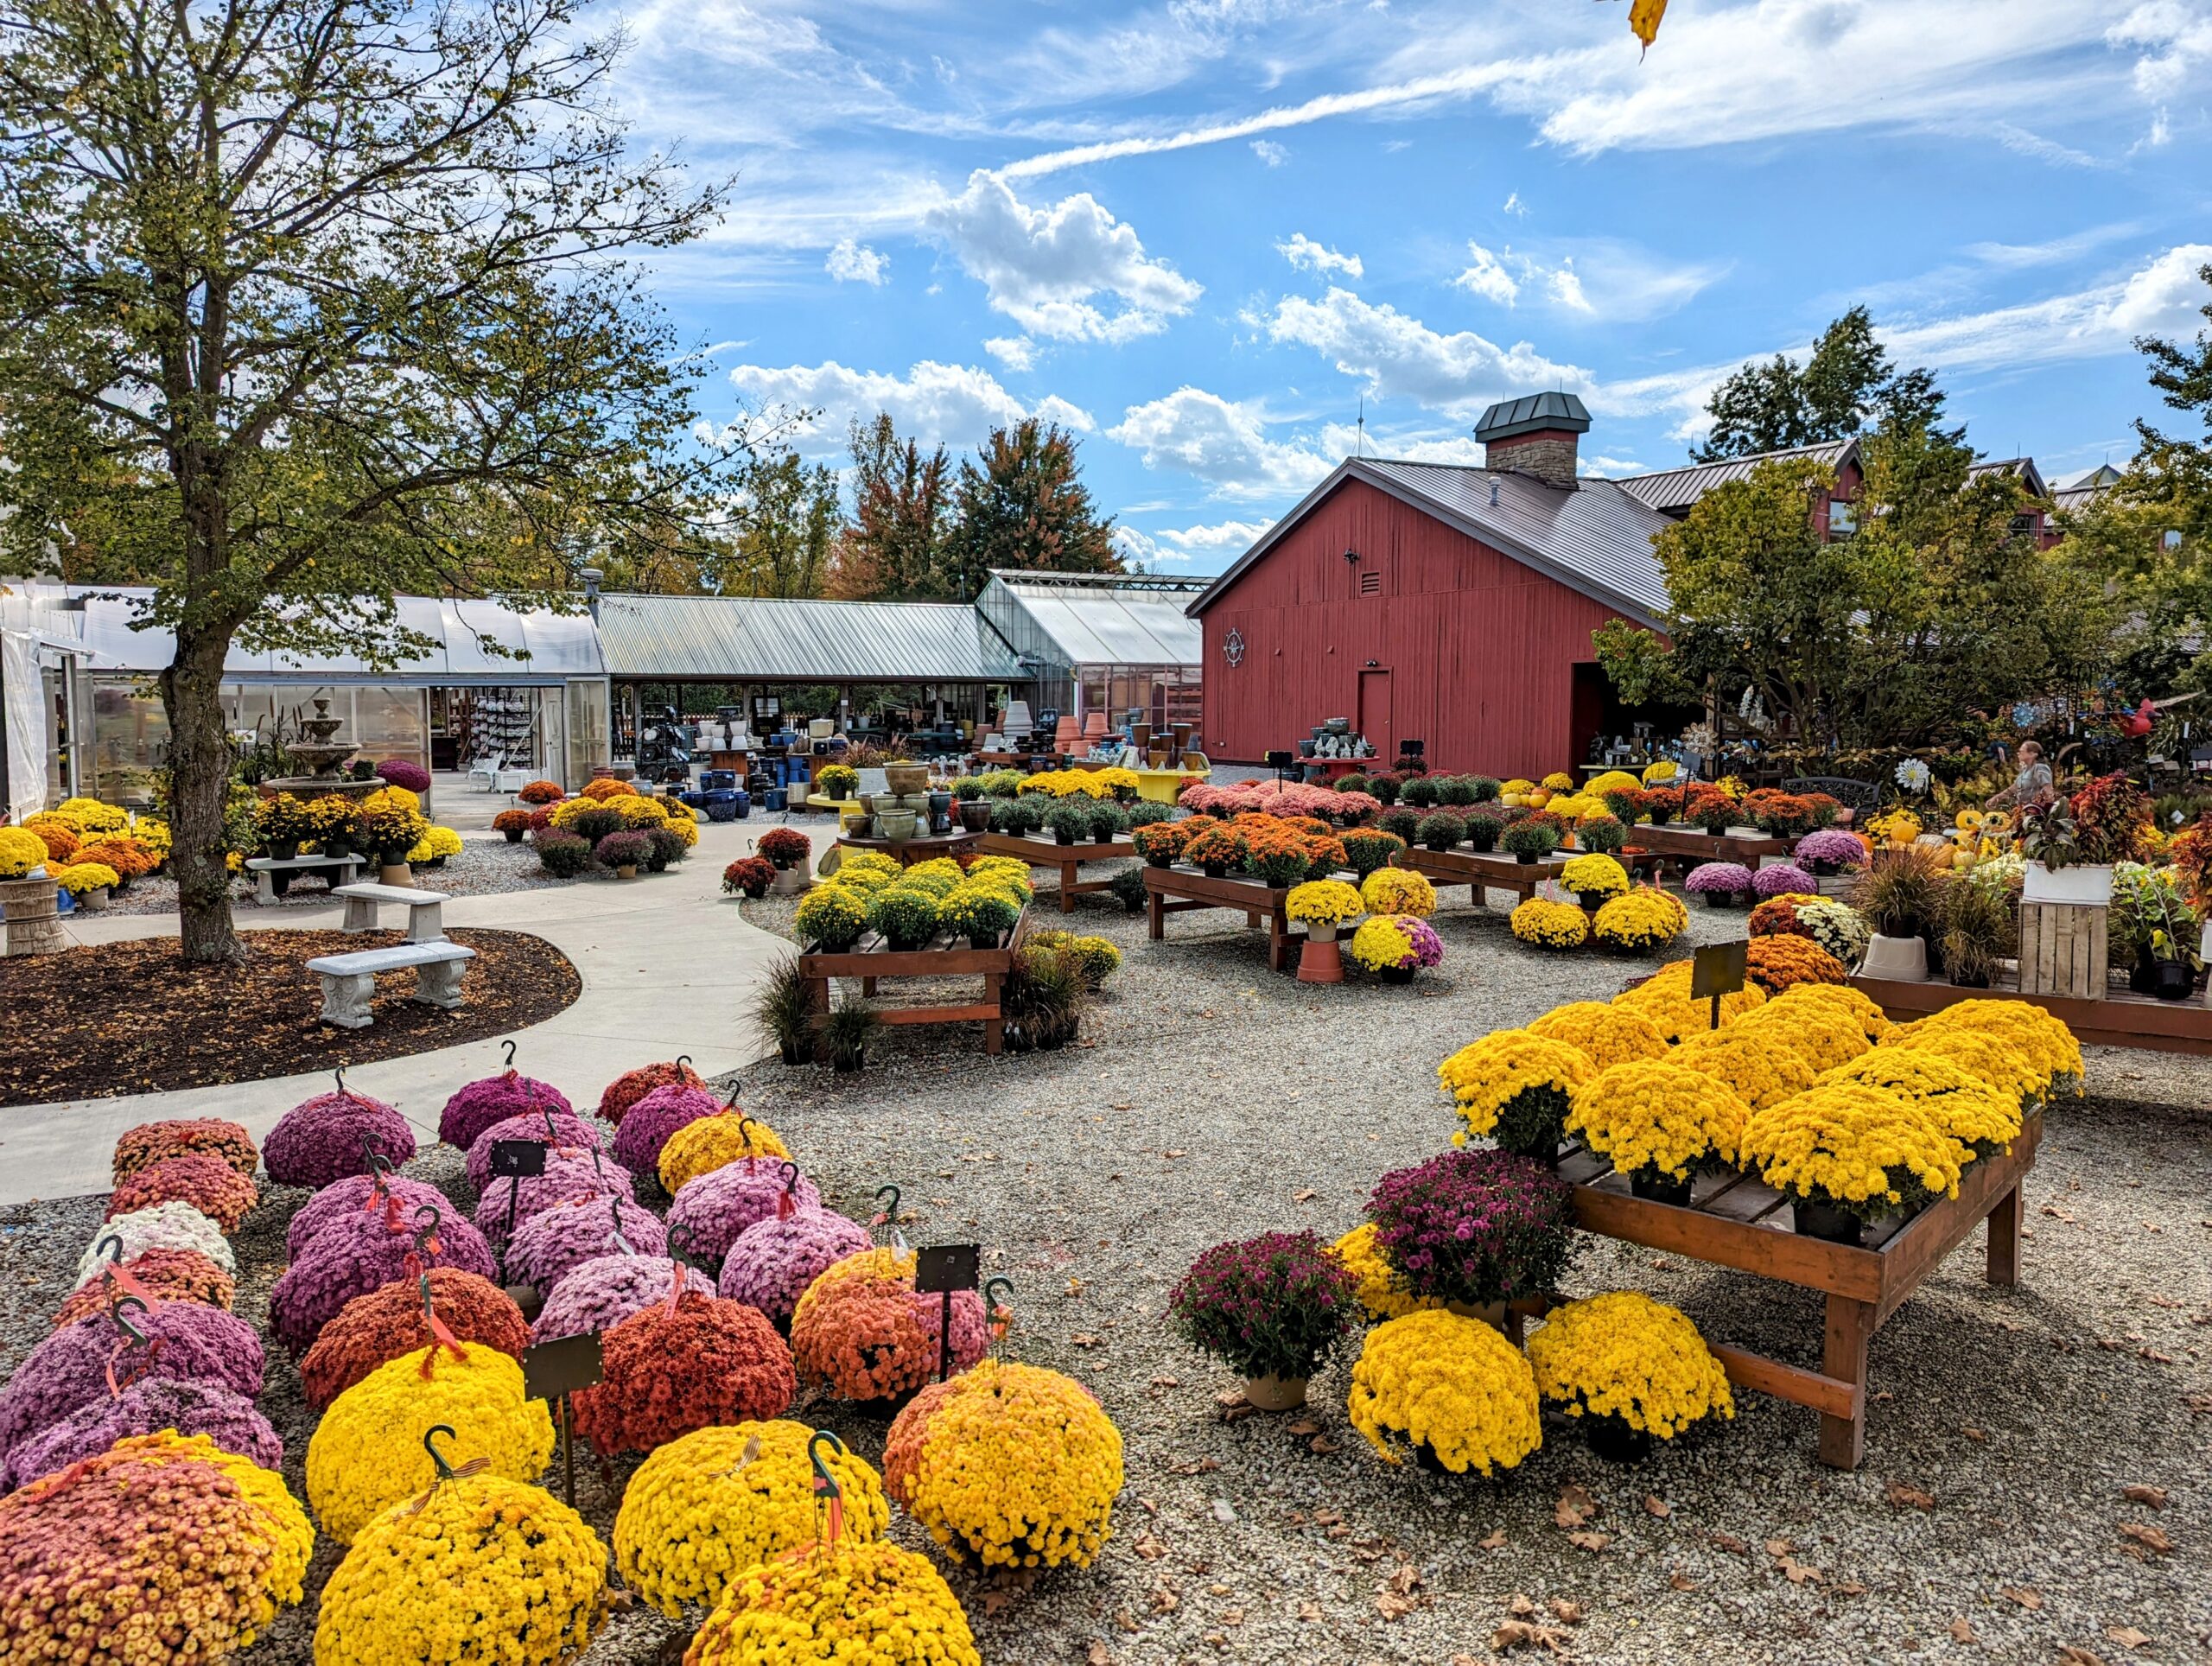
2063	950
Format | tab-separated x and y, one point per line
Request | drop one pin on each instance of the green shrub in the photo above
1601	833
564	856
1485	788
1442	830
1128	888
1106	820
1405	823
1420	791
1383	789
1531	838
1017	815
1353	783
1069	821
1483	830
967	789
1367	848
1144	812
1456	791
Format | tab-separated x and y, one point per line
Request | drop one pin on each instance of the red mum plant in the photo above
668	1371
386	1323
207	1182
541	792
167	1274
751	874
150	1142
785	847
868	1334
541	823
625	1089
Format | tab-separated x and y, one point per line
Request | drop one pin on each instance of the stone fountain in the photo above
321	755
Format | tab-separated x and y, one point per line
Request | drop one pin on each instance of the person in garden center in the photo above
2031	788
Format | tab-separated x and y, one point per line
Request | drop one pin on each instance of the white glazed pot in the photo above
1905	959
2087	883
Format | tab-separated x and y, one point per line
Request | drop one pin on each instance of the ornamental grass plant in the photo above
1477	1227
1275	1305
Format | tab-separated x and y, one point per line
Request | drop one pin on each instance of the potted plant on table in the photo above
1710	808
1846	1154
1368	850
1978	931
1322	906
1214	848
2072	844
1104	821
1530	840
1659	1123
1272	1308
905	917
1069	821
1899	898
1722	884
1513	1086
1474	1230
1484	827
975	810
1601	835
982	913
283	825
831	919
1161	842
1441	830
838	782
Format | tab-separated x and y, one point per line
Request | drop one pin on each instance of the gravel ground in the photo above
1210	1095
484	867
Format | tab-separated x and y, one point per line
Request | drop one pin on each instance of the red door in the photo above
1375	712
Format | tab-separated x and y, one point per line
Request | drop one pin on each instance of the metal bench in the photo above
349	981
425	922
265	869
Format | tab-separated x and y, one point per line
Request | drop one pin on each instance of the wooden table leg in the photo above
994	1026
1153	919
2005	1240
1278	943
1067	888
868	988
1850	1328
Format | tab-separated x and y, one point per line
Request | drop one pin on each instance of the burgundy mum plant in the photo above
494	1099
1274	1306
70	1368
648	1125
189	1406
327	1137
1477	1226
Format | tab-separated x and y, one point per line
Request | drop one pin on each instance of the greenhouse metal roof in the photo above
749	639
1094	619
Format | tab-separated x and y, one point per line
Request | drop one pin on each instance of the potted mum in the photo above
625	852
1161	842
1530	840
831	919
1368	850
1484	827
1321	906
1272	1308
1395	946
513	823
749	875
1711	809
786	850
1513	1086
838	782
1213	849
1595	879
1069	821
1441	830
1826	851
906	917
1630	1370
1846	1154
1474	1230
1720	883
1660	1123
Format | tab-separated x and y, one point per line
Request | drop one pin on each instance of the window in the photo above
1843	518
1370	583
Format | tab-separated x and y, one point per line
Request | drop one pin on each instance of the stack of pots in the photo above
904	811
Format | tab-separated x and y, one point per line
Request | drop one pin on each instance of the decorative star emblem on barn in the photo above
1233	646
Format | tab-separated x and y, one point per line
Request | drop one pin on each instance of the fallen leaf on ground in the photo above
1849	1588
1322	1444
1303	1426
1307	1195
1779	1548
1963	1631
1163	1381
1493	1539
1521	1634
2127	1637
1575	1506
1196	1467
1177	1153
1909	1498
1728	1541
1310	1611
2076	1655
2153	1496
1148	1547
1658	1506
1231	1397
1164	1599
1565	1613
1327	1517
1796	1572
2026	1595
1084	1340
1100	1655
1589	1541
995	1602
2149	1537
1680	1581
1974	1434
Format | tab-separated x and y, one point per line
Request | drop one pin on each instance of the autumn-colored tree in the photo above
893	546
787	528
1020	503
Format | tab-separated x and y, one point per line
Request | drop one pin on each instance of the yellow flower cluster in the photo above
1398	891
1664	998
79	877
1451	1383
1643	919
1380	941
1019	1464
1007	873
1981	1117
1596	873
1982	1057
714	1502
1626	1356
435	841
1559	781
1379	1291
2043	1041
1550	924
858	1605
1484	1076
1751	1066
1090	783
1657	1115
398	800
1853	1004
20	852
1847	1143
1322	902
1609	1035
1613	780
1823	1037
1896	830
1662	772
486	1569
91	815
367	1453
714	1143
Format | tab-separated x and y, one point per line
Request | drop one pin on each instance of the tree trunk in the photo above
199	764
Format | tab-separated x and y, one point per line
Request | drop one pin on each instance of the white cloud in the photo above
1611	467
1565	288
855	262
1136	548
1017	353
2162	297
952	404
2175	40
1223	537
1487	278
1515	207
1303	252
1395	355
1041	267
1220	441
1270	153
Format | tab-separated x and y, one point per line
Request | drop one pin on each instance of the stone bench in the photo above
264	868
425	919
349	981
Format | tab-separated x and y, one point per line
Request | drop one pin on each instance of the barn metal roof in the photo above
748	638
1673	491
1109	622
1594	538
2022	469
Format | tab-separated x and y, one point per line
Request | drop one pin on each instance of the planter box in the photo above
2087	884
2062	949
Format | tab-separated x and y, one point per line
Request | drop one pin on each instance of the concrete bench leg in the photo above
426	922
440	985
345	999
361	915
265	887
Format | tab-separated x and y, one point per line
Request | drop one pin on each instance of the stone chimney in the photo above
1535	435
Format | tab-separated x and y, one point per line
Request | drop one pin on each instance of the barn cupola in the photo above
1535	435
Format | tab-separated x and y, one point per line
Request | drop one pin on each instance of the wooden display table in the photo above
873	959
1050	853
1335	769
1178	889
1684	847
921	848
2120	1018
1738	1222
1481	870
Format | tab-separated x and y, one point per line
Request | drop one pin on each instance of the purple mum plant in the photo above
1830	846
1428	948
771	1262
327	1138
350	1197
1719	877
569	1177
1274	1306
1477	1226
357	1253
648	1125
184	1339
569	1131
602	1293
1780	877
552	1244
189	1406
494	1099
711	1211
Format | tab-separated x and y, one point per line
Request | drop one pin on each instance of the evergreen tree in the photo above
893	546
1020	504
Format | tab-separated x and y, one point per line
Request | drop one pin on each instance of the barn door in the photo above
1374	721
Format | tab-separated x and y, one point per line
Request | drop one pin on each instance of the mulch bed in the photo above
131	1018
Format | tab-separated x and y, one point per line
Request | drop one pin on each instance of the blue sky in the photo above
1198	232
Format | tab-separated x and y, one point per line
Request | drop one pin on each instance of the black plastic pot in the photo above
793	1053
1613	1438
2176	980
1828	1223
1395	974
1526	858
514	836
1657	1187
1215	871
1061	835
2143	976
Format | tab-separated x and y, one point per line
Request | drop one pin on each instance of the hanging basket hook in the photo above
123	1322
445	1471
424	1234
510	1046
110	1245
338	1076
791	1177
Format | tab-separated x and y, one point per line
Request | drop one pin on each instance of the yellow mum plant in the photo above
1983	1117
1379	1287
1852	1003
856	1604
1450	1384
1655	1116
2043	1040
1613	780
1853	1147
367	1453
1609	1035
482	1569
1751	1066
91	815
1662	772
1664	998
1979	1056
435	841
1016	1464
1825	1038
1550	924
1323	902
1625	1355
1559	781
20	852
714	1143
1398	891
715	1502
1514	1086
1640	920
1594	875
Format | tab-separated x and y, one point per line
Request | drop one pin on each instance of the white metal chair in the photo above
487	770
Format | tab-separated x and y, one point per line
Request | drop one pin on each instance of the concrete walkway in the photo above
668	967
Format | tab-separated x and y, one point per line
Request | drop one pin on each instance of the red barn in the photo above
1438	602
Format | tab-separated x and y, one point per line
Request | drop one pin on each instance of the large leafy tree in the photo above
1846	384
304	303
787	528
1022	503
893	546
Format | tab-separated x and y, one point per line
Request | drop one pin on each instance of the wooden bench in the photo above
1066	858
266	869
349	981
425	917
1481	870
872	958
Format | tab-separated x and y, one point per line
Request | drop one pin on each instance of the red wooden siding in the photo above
1480	649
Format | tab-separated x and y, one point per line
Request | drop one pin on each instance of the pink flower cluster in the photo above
1784	878
494	1099
549	1245
1280	799
774	1260
350	1197
569	1131
190	1407
69	1369
711	1211
601	1293
648	1125
1428	948
569	1178
321	1140
356	1254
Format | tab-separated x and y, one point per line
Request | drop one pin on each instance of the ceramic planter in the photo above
974	816
897	825
2089	882
94	900
1321	961
1905	959
396	874
1276	1393
627	871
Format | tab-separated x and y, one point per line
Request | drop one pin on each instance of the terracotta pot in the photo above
1321	961
627	871
1276	1393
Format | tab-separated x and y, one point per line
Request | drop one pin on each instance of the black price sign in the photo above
940	1269
1281	758
518	1159
560	1366
1718	971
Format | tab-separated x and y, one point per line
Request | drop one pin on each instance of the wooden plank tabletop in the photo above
2119	1019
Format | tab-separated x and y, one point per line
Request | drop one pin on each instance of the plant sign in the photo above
1717	971
554	1370
514	1161
940	1269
